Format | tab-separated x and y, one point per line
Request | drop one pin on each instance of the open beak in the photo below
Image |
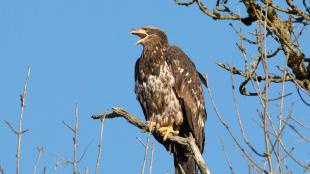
139	32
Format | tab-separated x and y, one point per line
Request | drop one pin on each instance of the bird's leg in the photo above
165	131
150	125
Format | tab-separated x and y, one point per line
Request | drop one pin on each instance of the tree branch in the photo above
100	145
278	27
189	142
40	152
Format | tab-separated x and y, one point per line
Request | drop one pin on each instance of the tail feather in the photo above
184	163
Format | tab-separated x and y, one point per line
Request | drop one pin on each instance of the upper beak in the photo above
139	32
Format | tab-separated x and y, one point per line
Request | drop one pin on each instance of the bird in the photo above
169	90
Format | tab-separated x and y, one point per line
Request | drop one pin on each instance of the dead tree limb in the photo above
20	132
75	139
188	142
100	145
146	148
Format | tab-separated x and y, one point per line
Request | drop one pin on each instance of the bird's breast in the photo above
156	93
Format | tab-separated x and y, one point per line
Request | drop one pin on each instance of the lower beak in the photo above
139	32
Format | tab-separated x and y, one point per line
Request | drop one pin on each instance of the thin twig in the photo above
68	126
146	147
301	123
289	153
240	120
75	138
84	152
297	132
152	157
100	145
237	143
10	126
267	84
40	152
226	156
20	132
301	97
75	141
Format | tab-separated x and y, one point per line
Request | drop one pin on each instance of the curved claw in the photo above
165	131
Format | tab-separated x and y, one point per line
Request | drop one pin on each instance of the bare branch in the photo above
237	143
300	123
241	36
289	153
226	156
62	161
215	15
267	84
75	138
297	132
68	126
240	121
19	133
152	156
40	152
306	6
297	10
189	142
146	147
100	145
185	3
278	27
301	97
234	70
10	126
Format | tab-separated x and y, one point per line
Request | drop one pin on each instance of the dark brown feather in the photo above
189	90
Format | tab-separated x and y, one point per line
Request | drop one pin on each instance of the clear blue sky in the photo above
82	52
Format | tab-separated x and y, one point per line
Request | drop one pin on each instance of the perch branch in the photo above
189	142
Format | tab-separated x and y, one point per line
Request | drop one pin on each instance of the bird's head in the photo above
150	35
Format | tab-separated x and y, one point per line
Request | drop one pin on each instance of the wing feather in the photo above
189	91
144	107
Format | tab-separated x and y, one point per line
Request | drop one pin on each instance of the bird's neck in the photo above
154	51
153	56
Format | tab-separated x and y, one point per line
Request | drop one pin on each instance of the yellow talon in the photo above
165	131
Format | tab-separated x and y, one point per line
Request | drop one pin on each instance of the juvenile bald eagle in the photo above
169	90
